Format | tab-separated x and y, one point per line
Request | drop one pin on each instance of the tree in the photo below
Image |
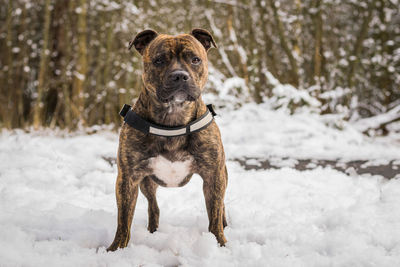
38	108
78	86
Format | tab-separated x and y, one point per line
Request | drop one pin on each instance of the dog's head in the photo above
175	67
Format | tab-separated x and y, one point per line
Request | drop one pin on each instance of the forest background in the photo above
66	63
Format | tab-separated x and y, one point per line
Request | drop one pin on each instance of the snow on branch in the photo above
378	121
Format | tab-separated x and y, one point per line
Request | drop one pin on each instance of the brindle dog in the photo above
175	72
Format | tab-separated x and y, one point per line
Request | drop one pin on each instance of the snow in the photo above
230	87
336	93
286	93
57	203
79	76
259	131
375	121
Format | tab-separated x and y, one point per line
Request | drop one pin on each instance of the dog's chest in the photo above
171	173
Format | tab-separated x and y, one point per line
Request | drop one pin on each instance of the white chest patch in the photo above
171	173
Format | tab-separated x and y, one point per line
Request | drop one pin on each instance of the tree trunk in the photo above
359	44
256	77
38	108
317	41
297	28
57	111
269	54
8	79
281	32
66	86
107	71
21	77
232	35
78	85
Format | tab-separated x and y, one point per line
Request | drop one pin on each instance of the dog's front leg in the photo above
126	193
214	185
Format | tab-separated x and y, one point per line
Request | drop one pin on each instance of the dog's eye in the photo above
158	61
196	61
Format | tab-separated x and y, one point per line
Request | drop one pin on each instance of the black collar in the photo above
137	122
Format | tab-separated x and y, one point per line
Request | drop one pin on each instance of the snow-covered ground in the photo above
258	131
57	204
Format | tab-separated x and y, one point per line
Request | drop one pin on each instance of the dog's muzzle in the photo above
178	88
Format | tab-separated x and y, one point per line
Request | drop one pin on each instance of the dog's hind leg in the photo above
149	188
224	223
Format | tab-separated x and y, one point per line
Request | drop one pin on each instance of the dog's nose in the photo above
179	76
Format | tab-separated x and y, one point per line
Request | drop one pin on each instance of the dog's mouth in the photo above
168	95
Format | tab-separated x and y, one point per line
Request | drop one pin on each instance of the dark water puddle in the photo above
388	170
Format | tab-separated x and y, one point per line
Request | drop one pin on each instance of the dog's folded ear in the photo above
204	37
142	40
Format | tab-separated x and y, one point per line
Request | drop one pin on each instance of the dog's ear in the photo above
142	40
204	37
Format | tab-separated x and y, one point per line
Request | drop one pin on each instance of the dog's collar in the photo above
137	122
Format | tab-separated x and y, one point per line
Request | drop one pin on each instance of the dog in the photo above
170	134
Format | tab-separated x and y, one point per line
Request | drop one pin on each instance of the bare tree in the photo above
38	108
284	43
78	85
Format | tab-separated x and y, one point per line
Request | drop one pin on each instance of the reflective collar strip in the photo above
137	122
162	132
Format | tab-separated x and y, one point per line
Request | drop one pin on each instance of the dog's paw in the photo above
221	240
152	228
121	240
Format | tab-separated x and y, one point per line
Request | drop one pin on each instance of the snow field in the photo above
258	131
57	203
